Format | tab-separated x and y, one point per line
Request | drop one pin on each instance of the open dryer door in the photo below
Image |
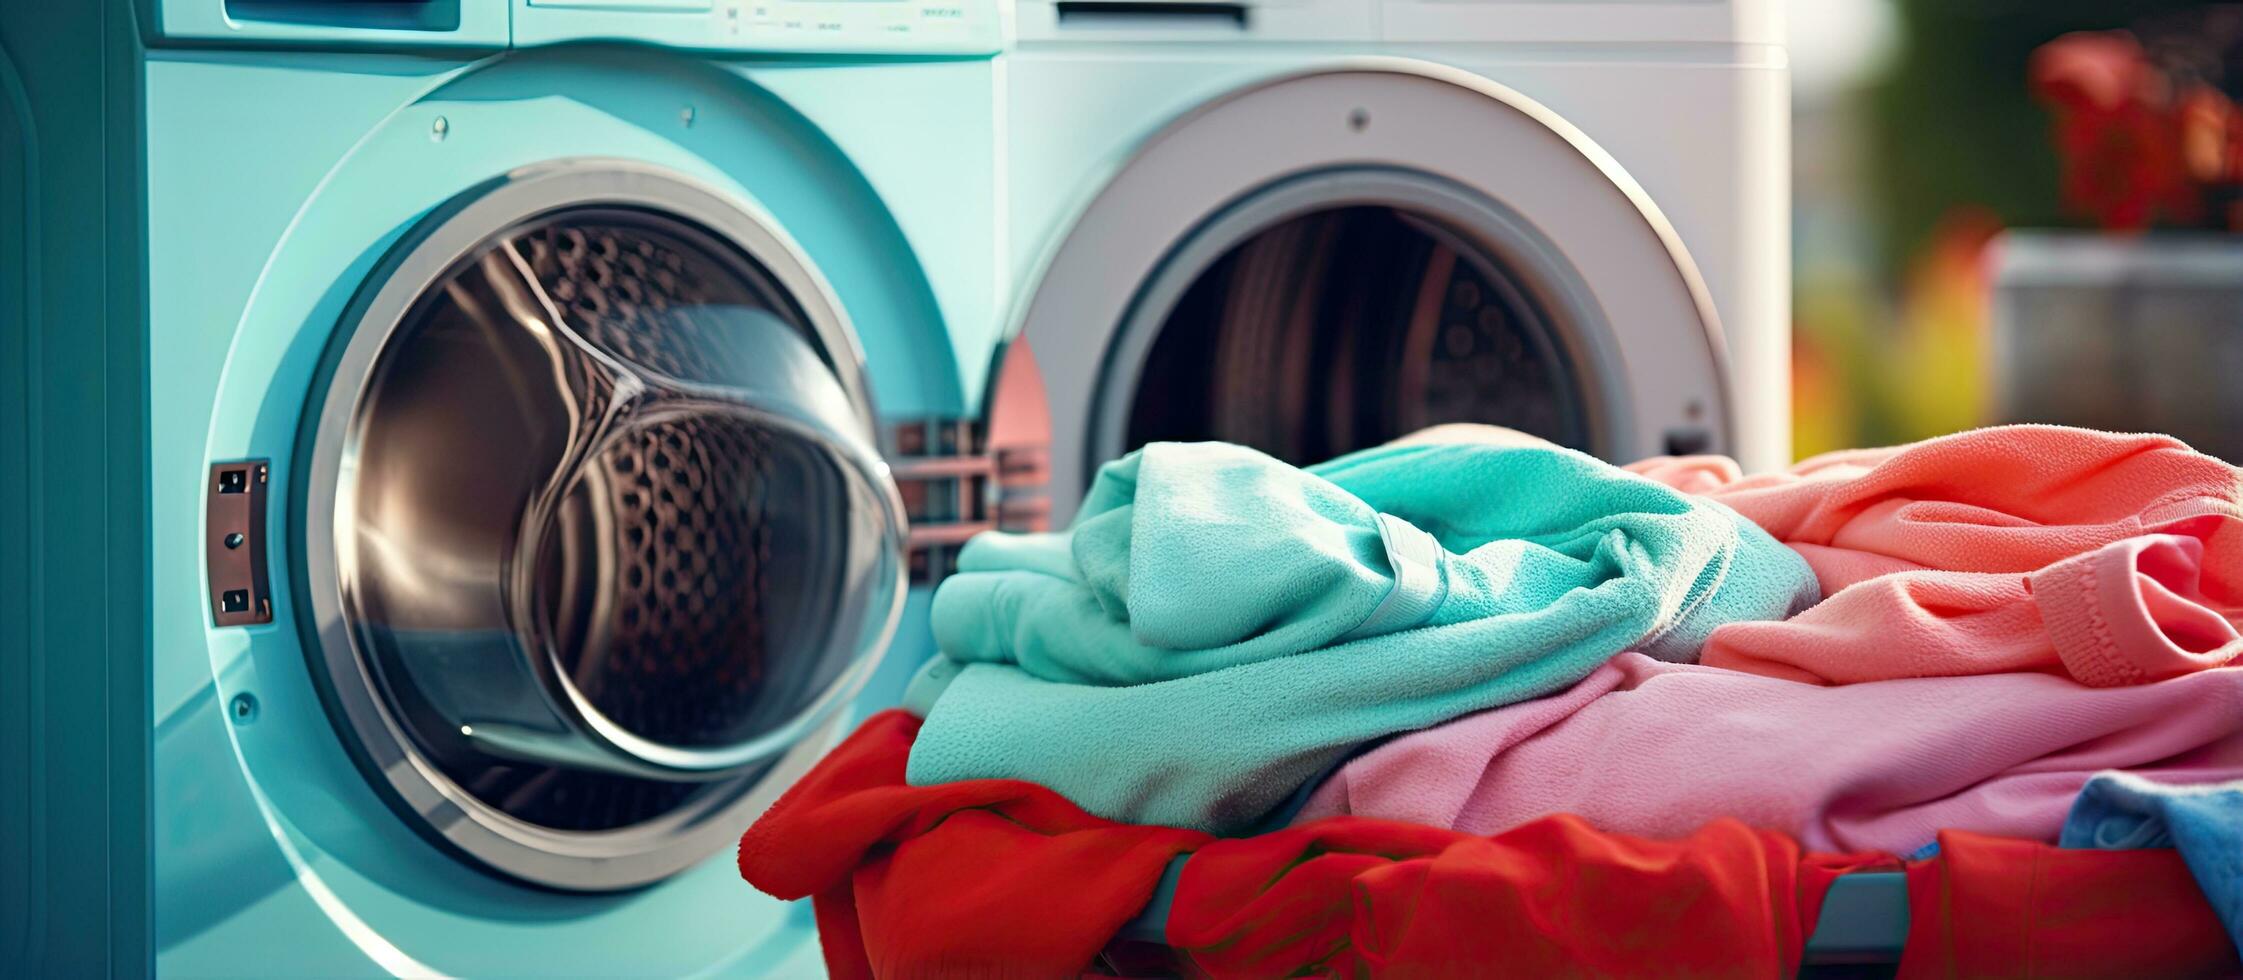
1326	261
594	539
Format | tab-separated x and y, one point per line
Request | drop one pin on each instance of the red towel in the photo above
988	878
1552	898
1556	898
1992	907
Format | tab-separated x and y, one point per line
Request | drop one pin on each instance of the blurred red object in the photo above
2123	132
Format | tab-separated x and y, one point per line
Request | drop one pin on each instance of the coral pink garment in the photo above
2126	613
2115	559
1655	749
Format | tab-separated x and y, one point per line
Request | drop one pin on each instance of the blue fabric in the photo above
2122	811
1218	626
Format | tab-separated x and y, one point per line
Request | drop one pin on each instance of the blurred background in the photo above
2017	210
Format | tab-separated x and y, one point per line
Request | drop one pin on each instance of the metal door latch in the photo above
234	543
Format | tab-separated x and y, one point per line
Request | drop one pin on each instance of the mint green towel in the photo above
1218	626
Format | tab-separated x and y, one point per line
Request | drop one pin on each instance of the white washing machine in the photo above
1311	225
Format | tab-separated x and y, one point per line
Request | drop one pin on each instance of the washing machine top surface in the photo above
886	27
1564	22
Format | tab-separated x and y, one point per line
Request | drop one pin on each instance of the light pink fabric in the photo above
1656	749
2114	558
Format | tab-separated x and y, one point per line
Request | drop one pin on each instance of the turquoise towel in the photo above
1218	626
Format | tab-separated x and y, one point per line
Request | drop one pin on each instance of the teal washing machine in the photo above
491	448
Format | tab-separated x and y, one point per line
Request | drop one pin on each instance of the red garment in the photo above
990	877
1554	897
1993	907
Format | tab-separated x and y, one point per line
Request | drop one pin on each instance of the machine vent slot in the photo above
1141	14
388	15
960	478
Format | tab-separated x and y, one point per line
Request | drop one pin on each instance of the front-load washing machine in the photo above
1312	226
468	429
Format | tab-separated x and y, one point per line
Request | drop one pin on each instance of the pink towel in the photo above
2116	559
1656	749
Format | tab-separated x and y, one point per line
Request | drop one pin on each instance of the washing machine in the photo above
1313	225
500	436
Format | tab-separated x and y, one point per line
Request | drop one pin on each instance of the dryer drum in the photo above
1338	310
594	531
1344	328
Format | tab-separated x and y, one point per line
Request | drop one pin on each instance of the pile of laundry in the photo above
1472	703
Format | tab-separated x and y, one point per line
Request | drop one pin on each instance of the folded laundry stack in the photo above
1551	716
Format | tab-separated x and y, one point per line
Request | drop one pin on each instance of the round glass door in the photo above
595	534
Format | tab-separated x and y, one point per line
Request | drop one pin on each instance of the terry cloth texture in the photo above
2116	559
1217	626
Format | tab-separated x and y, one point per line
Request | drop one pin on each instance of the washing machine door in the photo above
1326	261
594	534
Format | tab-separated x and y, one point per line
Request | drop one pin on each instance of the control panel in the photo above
1402	21
868	26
